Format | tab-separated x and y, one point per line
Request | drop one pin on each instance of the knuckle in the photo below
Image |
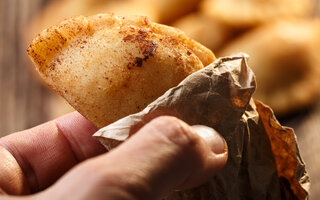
176	131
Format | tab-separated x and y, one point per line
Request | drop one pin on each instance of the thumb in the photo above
164	155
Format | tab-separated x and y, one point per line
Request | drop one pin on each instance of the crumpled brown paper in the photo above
264	160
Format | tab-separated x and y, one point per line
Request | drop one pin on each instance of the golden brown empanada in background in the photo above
285	58
108	67
171	10
248	13
204	29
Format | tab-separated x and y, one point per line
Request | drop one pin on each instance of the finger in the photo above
165	154
11	183
212	138
47	151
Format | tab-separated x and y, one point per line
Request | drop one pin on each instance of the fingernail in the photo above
216	142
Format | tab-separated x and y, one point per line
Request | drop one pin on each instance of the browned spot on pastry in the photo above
128	37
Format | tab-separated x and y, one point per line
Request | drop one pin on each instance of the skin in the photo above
61	160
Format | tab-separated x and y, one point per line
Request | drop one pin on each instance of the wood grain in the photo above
22	96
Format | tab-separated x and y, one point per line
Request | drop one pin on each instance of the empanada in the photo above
246	13
108	66
285	58
203	29
170	10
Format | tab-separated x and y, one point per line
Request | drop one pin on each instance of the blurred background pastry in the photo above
171	10
285	58
204	29
248	13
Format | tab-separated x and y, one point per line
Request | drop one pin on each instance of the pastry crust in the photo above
285	58
107	66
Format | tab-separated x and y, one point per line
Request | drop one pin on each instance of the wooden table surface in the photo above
24	101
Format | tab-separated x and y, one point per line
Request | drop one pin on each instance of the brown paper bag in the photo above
264	160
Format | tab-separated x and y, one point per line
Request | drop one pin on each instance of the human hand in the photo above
61	160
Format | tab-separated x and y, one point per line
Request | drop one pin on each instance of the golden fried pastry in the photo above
247	13
203	29
285	58
107	66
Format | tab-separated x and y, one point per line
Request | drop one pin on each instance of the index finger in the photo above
47	151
